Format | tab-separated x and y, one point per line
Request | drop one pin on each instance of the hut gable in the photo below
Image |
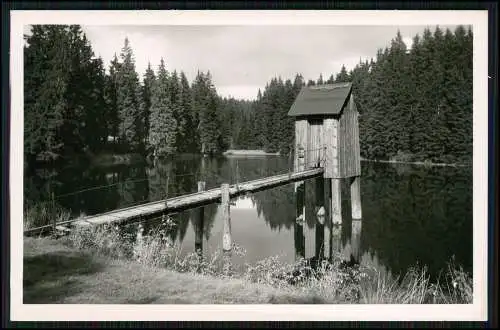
327	99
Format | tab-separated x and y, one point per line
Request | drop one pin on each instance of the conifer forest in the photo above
414	104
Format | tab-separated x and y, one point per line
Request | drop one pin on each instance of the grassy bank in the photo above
57	273
102	265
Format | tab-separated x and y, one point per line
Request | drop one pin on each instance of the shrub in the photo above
44	213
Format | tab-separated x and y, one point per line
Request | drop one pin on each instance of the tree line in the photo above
414	104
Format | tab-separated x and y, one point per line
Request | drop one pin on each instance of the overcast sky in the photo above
244	58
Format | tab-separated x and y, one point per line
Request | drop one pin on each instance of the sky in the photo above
243	58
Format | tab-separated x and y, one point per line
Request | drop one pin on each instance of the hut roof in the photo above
321	100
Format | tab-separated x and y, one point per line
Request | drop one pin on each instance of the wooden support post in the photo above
237	175
140	230
327	240
336	232
226	238
328	218
166	190
320	200
336	208
300	190
355	198
53	212
319	241
356	240
300	208
320	217
199	223
299	241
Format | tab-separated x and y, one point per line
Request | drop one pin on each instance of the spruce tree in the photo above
111	88
131	126
147	93
163	127
209	116
320	80
186	108
342	76
45	84
64	94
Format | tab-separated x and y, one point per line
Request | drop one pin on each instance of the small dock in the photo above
184	202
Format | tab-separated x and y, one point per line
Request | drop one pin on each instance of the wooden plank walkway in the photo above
180	203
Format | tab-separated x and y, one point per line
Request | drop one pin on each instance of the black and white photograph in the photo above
318	165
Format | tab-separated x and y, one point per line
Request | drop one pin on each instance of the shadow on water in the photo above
411	214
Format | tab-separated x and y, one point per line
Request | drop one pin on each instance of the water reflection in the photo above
410	214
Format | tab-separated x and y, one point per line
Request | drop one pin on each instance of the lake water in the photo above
411	214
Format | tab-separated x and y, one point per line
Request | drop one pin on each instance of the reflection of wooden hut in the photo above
327	135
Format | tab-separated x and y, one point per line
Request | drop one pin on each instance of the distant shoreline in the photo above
415	163
126	158
242	152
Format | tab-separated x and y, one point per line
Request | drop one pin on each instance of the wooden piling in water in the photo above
336	245
199	222
356	198
327	240
356	239
336	200
226	217
140	230
299	241
320	217
300	206
227	243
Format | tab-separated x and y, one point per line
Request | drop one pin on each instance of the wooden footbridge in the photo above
326	146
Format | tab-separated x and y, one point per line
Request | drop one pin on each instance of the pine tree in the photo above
258	126
342	76
45	84
209	117
64	94
112	121
179	111
320	80
162	132
186	107
147	93
131	127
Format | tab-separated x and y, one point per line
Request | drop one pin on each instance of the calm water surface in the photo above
411	214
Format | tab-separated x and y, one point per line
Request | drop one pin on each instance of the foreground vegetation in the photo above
94	265
57	273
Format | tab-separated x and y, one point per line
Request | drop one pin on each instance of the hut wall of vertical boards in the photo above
348	141
301	128
330	136
315	144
